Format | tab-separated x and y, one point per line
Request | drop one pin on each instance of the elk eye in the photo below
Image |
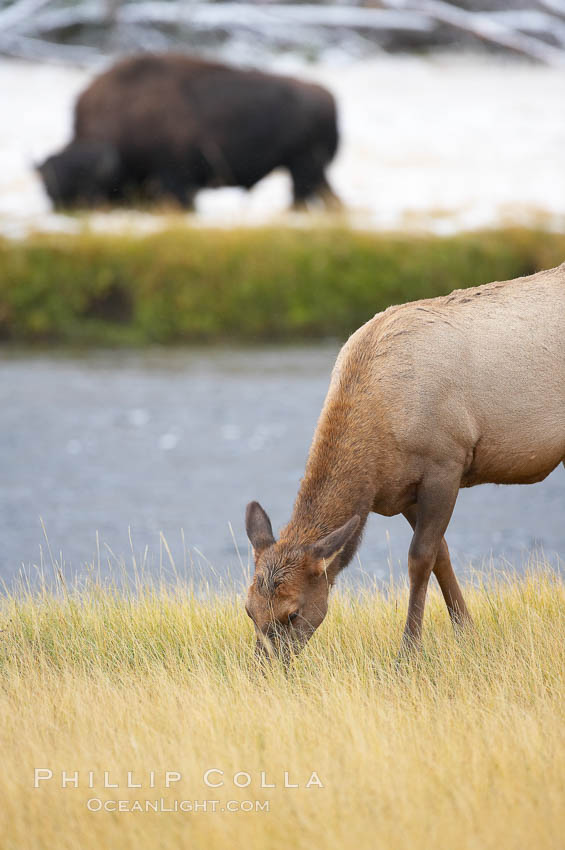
292	617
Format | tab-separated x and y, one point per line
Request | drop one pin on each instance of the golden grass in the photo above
461	748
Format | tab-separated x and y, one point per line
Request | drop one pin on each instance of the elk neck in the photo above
339	478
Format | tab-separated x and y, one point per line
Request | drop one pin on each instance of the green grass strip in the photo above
188	285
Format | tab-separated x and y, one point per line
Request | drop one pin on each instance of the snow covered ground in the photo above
439	143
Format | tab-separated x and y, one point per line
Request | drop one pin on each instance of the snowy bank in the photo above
440	143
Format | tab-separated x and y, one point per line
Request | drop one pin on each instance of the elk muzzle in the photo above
280	643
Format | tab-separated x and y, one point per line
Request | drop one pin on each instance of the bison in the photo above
158	127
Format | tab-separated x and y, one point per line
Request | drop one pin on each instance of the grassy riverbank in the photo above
463	748
195	285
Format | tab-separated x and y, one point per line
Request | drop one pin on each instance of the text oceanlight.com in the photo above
163	805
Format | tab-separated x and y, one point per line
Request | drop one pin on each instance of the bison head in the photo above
84	174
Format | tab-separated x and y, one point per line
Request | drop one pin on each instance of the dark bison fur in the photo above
158	127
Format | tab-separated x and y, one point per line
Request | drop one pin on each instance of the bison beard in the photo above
162	127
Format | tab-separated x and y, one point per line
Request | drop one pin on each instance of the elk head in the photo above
288	597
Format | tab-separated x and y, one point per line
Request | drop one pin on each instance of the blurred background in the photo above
160	368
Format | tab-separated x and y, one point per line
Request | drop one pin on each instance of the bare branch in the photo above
532	20
20	12
248	15
557	6
485	27
296	23
22	47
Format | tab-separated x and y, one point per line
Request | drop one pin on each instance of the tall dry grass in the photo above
461	748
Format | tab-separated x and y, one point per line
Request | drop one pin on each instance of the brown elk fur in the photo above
425	398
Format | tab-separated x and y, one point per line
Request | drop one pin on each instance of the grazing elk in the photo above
164	126
424	399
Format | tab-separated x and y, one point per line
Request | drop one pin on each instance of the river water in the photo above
102	453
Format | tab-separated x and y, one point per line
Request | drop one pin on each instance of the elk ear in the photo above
258	527
329	547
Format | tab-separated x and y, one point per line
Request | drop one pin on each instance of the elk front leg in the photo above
435	502
446	578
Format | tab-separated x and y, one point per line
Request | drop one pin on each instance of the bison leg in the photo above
436	499
308	180
446	578
174	186
331	201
